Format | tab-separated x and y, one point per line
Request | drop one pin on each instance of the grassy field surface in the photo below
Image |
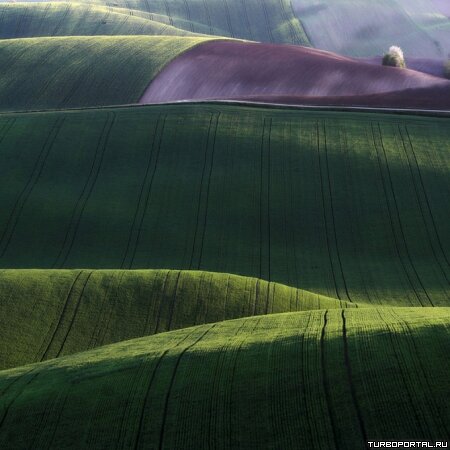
62	72
51	313
217	276
259	20
348	206
22	20
362	28
318	380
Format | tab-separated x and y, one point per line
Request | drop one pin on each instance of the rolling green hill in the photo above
63	72
318	380
21	20
51	313
210	275
348	206
259	20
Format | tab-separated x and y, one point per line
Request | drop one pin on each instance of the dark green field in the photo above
346	206
217	275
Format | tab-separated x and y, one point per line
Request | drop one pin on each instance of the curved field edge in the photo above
83	71
314	76
260	20
344	205
25	20
318	379
51	313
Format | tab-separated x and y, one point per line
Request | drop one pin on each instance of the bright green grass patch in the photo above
319	379
67	72
349	206
51	313
20	20
258	20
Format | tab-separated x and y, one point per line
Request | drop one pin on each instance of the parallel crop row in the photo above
321	379
50	313
345	207
26	20
82	71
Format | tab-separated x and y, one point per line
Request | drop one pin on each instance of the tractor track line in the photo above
24	195
149	191
141	193
333	221
426	196
349	369
149	387
77	213
422	212
390	214
324	212
200	192
172	382
77	306
61	315
208	186
326	383
399	217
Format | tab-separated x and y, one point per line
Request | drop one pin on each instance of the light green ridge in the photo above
319	379
63	72
258	20
51	313
22	20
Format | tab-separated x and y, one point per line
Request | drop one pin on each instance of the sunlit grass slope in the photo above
349	206
62	72
19	20
318	380
259	20
51	313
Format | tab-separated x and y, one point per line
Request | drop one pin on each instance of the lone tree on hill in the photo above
394	58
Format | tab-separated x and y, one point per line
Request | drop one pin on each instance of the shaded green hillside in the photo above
19	20
258	20
317	380
62	72
349	206
51	313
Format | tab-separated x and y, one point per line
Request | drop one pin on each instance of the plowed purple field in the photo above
239	70
433	98
431	66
